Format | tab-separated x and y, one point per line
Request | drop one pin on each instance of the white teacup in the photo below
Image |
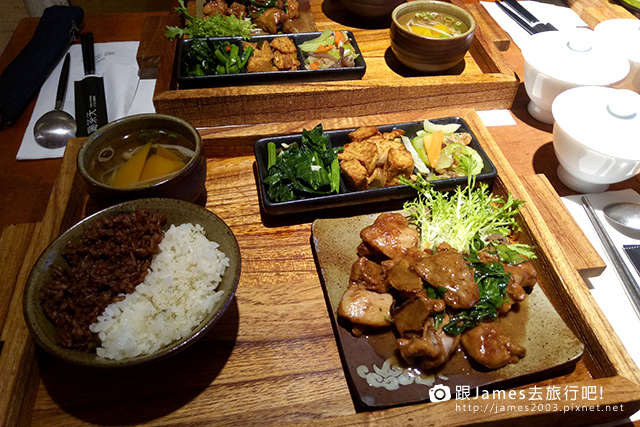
623	36
596	137
556	61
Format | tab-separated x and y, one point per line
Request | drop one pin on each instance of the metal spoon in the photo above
624	214
56	127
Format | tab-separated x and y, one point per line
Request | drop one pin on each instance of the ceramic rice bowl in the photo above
177	212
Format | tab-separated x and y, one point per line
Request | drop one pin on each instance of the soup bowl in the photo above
429	54
108	147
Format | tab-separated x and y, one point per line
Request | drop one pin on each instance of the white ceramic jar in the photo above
596	137
623	36
559	60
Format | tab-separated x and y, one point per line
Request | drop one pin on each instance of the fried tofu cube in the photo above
399	163
363	133
284	45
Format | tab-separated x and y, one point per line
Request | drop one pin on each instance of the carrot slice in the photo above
314	65
324	48
433	146
338	37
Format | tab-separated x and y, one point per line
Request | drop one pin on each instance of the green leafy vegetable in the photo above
514	253
271	154
464	219
211	26
492	283
204	58
308	170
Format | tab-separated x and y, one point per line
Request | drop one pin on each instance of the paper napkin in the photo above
117	63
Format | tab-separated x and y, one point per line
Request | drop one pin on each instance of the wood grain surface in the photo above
482	80
273	359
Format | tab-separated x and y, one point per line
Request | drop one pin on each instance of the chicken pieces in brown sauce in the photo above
272	20
388	288
488	345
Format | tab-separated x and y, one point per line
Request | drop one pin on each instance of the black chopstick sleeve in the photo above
21	80
633	252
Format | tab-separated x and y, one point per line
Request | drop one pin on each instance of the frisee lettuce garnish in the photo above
465	218
211	26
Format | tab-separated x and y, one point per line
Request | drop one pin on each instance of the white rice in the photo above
175	296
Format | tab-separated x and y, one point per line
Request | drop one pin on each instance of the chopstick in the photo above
528	15
524	24
523	17
629	283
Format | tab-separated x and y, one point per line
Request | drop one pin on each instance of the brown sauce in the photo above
513	322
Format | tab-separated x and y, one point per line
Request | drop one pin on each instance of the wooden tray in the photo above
482	81
273	358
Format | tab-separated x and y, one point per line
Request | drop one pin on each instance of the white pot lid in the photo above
575	57
603	119
622	35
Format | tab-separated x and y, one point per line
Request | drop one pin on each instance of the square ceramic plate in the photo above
551	347
349	198
186	81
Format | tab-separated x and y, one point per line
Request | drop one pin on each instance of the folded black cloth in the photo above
23	77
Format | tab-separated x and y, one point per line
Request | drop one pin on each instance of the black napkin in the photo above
21	80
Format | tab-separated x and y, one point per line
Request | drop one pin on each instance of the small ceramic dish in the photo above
188	183
427	53
348	197
186	81
177	212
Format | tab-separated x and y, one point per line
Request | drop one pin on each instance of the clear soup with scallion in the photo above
142	158
433	24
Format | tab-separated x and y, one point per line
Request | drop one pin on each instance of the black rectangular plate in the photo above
300	75
349	198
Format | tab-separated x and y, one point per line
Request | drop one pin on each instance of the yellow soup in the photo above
433	24
142	158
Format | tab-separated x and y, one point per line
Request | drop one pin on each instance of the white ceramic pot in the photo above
596	137
559	60
623	36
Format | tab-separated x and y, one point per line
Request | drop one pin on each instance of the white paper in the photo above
496	118
117	63
607	289
555	12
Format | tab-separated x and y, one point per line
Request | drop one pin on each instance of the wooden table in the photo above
274	359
